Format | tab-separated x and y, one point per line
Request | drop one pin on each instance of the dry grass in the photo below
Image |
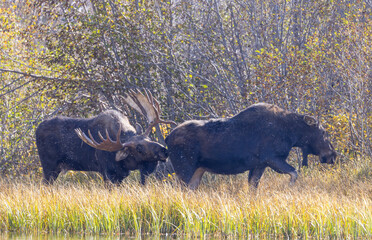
326	202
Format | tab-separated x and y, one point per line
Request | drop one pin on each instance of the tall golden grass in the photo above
325	202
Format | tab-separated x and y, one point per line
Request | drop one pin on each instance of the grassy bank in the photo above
326	202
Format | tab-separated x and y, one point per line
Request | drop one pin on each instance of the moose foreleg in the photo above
196	178
281	166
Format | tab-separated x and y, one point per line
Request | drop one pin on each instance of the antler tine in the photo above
108	136
156	105
149	95
100	136
106	145
133	95
155	110
91	138
129	99
143	104
147	105
84	137
118	134
154	102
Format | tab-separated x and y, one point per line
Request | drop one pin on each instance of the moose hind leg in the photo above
281	166
254	176
50	176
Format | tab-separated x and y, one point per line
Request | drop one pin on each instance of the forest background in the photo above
200	59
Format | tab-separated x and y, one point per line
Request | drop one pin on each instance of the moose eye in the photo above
140	148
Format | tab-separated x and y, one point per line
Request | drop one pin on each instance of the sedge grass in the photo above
325	202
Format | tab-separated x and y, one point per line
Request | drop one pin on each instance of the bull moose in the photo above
63	145
258	137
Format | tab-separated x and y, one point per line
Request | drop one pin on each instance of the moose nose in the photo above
329	159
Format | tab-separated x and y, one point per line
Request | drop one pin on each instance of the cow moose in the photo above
63	145
258	137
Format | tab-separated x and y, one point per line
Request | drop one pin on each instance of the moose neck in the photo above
301	130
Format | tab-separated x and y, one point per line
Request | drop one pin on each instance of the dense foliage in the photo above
201	59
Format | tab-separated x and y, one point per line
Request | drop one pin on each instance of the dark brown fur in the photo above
60	149
258	137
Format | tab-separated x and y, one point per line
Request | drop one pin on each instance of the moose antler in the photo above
146	105
106	144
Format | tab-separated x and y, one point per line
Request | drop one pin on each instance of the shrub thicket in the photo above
201	59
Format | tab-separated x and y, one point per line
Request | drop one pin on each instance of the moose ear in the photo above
139	129
122	154
310	120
